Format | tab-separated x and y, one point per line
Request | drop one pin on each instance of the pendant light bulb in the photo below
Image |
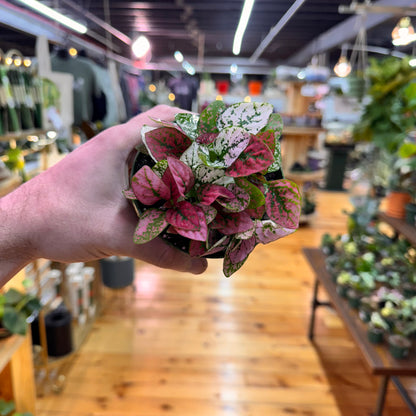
343	67
140	47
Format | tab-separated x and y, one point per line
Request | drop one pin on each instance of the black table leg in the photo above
381	395
315	304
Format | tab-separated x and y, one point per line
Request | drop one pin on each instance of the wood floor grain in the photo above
183	345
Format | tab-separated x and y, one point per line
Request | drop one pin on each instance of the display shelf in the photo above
22	134
302	130
302	177
400	226
377	357
8	185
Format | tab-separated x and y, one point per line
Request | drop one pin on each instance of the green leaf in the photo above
13	321
257	199
274	123
13	297
188	122
209	116
407	150
6	407
277	164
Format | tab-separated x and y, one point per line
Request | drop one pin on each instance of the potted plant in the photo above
399	346
376	328
15	309
388	118
406	163
7	409
211	184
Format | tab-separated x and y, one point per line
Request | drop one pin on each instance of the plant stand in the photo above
377	358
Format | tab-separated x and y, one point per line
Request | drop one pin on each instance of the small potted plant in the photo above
15	310
377	327
399	346
211	184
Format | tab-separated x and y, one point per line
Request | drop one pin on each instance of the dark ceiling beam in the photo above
342	33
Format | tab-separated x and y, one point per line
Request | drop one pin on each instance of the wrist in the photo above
16	248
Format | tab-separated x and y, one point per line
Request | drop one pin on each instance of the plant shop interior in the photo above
319	323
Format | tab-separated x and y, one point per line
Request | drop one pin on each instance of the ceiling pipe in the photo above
276	29
362	8
116	33
343	32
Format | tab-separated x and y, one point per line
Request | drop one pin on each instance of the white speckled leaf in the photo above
249	116
230	143
277	164
188	122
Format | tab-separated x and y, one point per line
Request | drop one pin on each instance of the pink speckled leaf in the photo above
283	203
185	216
267	231
210	212
129	194
255	158
239	201
208	193
256	213
148	187
182	175
230	267
206	138
267	137
199	248
241	250
199	234
236	222
151	223
209	116
166	141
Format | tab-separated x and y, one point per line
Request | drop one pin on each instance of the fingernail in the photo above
198	265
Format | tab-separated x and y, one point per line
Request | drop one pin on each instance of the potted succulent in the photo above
15	310
211	184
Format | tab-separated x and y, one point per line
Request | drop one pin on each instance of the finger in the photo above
161	254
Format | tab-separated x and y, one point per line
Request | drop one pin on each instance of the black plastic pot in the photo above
399	346
411	213
117	272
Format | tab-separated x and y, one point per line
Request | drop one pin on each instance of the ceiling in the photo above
203	30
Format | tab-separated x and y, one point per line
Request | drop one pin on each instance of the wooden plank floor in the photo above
185	345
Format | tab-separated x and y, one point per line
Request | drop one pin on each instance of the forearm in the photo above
16	249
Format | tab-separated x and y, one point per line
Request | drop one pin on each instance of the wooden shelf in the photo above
302	130
8	346
8	185
302	177
17	135
401	226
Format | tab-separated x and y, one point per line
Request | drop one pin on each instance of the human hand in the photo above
75	211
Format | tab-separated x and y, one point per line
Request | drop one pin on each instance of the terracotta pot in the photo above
396	203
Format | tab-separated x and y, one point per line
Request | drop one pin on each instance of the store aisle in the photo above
207	345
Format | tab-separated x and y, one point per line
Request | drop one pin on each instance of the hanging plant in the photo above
211	184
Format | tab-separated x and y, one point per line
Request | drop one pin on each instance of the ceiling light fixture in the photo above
140	47
343	67
54	15
178	56
242	25
403	33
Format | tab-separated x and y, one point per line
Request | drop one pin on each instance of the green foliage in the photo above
391	112
15	308
6	409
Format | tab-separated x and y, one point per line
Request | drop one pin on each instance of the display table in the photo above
377	357
17	380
